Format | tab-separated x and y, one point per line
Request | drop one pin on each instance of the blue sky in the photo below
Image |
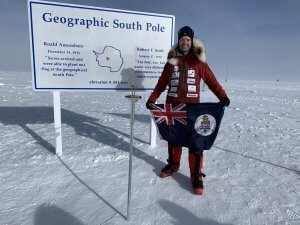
257	39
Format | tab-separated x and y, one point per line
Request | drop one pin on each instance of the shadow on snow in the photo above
47	214
260	160
84	126
183	216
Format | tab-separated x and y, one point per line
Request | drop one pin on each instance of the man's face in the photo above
185	43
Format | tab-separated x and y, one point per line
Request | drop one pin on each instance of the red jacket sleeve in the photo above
211	81
162	83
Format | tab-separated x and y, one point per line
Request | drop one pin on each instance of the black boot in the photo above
173	161
196	164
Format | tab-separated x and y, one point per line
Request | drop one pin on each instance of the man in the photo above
182	73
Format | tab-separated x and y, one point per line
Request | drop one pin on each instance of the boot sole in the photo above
198	191
163	175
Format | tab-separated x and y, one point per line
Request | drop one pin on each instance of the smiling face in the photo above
185	44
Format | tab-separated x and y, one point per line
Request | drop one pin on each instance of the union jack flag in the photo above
169	113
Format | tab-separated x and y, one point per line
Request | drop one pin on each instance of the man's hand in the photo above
225	101
148	104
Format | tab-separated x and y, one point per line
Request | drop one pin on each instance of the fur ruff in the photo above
199	50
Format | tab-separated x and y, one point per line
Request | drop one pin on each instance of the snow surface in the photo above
253	174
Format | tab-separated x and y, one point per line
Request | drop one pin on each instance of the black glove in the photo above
225	101
148	104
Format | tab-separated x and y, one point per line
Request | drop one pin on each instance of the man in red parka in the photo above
182	73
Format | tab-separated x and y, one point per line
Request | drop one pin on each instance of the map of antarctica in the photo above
110	58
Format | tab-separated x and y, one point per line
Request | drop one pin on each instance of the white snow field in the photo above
253	169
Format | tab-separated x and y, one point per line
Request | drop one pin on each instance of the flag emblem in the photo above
169	114
205	125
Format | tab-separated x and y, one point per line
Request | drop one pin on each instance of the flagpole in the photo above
227	74
134	98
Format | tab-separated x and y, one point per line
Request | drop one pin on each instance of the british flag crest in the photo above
169	113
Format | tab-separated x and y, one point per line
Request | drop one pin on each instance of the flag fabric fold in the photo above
191	125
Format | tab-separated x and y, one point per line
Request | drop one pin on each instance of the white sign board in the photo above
87	48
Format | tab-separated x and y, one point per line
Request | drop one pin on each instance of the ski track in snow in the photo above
253	174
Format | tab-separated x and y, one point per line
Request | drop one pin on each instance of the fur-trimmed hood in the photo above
198	48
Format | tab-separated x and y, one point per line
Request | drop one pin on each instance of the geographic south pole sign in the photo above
87	48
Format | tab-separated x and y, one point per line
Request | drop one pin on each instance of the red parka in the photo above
183	73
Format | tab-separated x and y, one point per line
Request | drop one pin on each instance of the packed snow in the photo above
253	173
